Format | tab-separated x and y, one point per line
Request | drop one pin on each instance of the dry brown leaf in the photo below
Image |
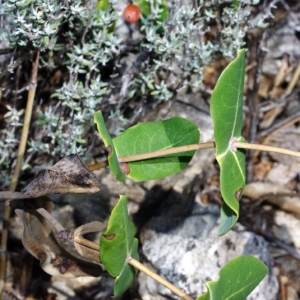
289	203
94	226
83	249
39	240
275	194
69	175
255	190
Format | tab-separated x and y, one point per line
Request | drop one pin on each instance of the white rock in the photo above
286	228
192	254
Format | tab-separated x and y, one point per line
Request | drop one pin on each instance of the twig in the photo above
180	149
140	267
13	184
84	242
159	279
266	148
98	165
158	153
165	152
294	80
287	123
282	124
7	195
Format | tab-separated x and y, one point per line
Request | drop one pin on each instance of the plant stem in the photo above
152	154
98	165
21	151
164	152
140	267
266	148
159	279
180	149
84	242
8	195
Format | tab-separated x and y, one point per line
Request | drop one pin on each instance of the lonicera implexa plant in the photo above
170	145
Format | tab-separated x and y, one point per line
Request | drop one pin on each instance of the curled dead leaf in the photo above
85	247
39	240
69	175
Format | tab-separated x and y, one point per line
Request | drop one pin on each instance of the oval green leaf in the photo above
153	136
112	157
226	112
117	244
237	279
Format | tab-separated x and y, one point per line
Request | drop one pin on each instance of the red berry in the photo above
132	13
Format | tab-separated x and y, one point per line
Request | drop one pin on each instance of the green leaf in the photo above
103	4
237	279
124	280
145	7
226	112
112	157
117	244
152	136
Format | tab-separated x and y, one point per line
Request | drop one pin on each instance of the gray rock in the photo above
191	254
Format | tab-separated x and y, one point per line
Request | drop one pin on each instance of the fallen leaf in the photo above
255	190
39	240
275	194
69	175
